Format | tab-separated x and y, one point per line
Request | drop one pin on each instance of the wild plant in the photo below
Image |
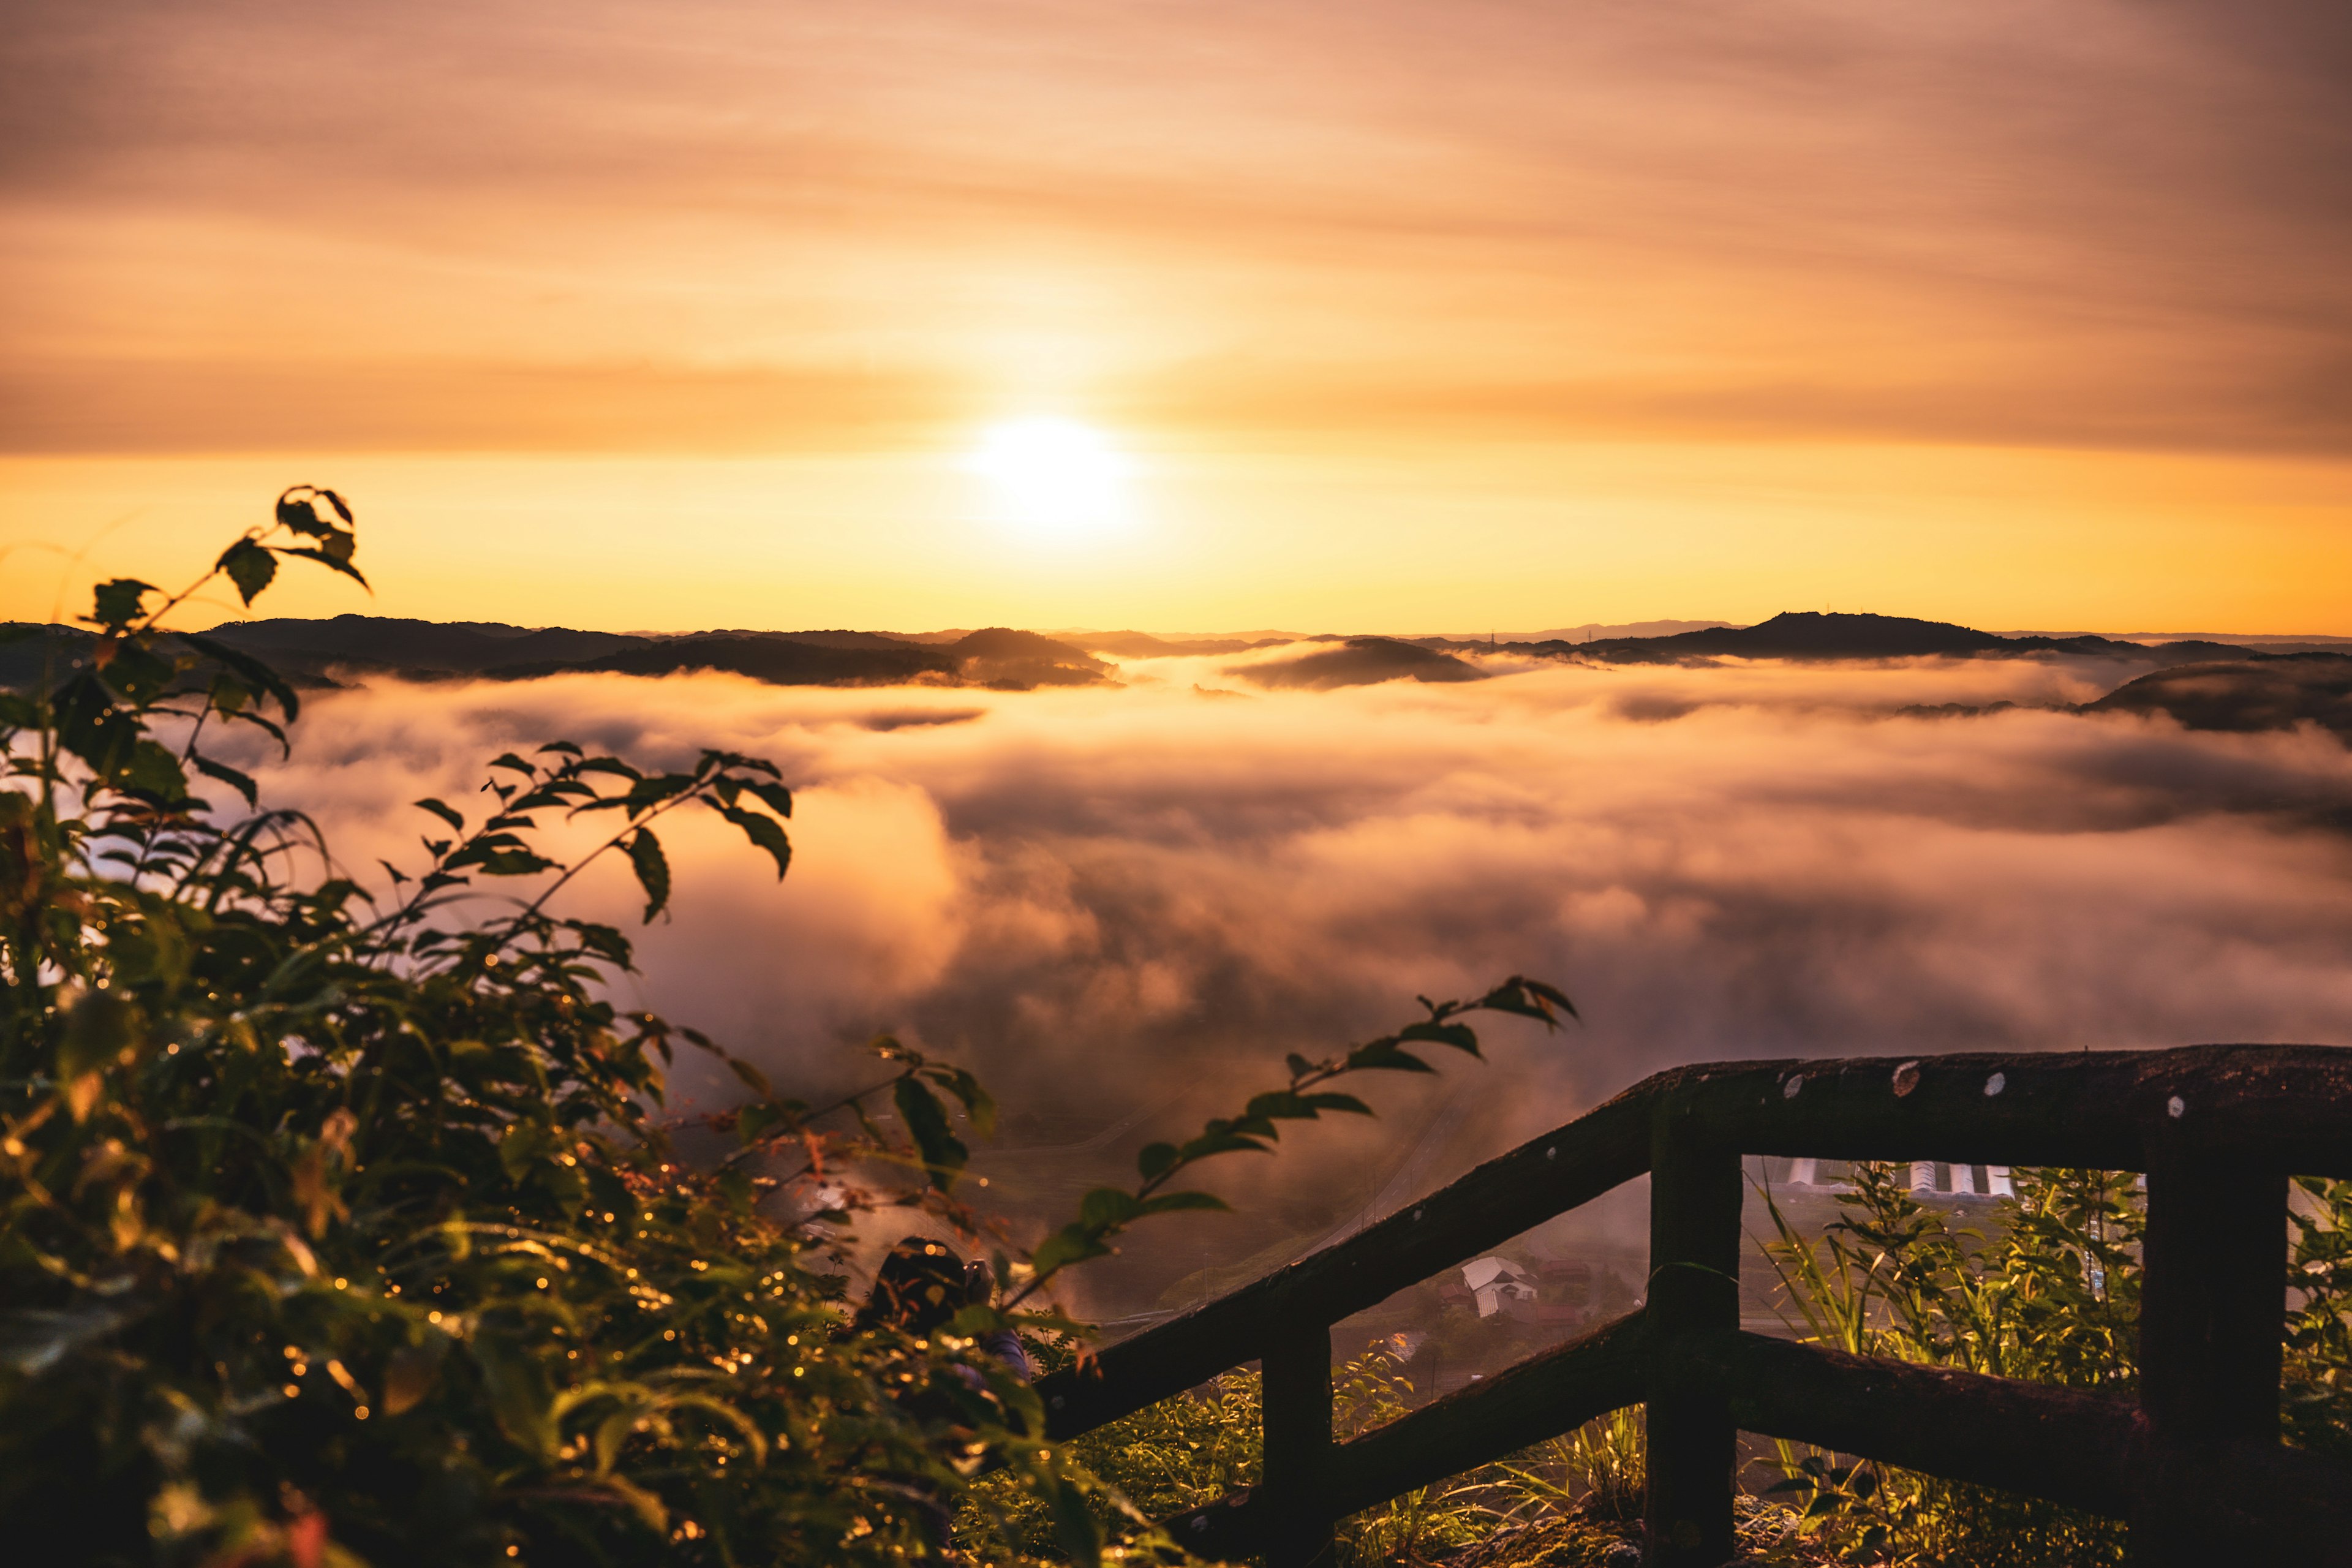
342	1223
2047	1290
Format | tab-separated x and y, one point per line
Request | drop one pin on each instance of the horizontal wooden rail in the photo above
2222	1125
2069	1446
1555	1391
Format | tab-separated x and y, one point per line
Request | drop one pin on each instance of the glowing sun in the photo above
1051	474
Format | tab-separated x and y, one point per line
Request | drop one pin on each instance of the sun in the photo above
1053	476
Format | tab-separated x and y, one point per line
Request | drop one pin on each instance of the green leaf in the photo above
513	764
323	559
1220	1142
1461	1036
1280	1104
99	1028
297	512
409	1372
253	671
152	770
1074	1524
757	1117
753	1078
979	1106
242	782
1172	1203
445	812
1346	1102
763	831
249	565
927	1120
774	796
116	603
1071	1244
1383	1056
1529	998
646	859
522	1394
1107	1208
1155	1159
652	792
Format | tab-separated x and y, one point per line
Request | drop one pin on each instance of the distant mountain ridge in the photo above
1842	635
996	657
326	651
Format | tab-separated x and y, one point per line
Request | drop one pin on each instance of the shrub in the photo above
339	1227
2047	1290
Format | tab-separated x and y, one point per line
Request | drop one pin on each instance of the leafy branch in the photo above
1107	1212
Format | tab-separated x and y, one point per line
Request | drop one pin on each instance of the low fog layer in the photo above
1113	900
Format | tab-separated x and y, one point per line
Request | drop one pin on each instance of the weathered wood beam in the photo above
2288	1104
1295	1406
1695	1188
1555	1391
2212	1298
2069	1445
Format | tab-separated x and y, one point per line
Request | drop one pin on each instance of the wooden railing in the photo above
2194	1462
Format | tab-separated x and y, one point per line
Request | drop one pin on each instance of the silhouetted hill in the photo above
1018	661
999	657
1358	661
1140	645
451	647
2267	691
1816	635
778	661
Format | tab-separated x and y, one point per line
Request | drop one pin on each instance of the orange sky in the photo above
1405	316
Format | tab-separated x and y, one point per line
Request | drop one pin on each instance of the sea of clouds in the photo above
1122	905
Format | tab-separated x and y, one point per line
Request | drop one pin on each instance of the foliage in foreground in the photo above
341	1228
2047	1291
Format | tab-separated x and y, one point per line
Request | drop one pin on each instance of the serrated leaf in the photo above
646	859
250	566
116	603
763	831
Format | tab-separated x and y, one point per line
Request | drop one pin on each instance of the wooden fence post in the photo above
2212	1310
1295	1393
1694	1198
